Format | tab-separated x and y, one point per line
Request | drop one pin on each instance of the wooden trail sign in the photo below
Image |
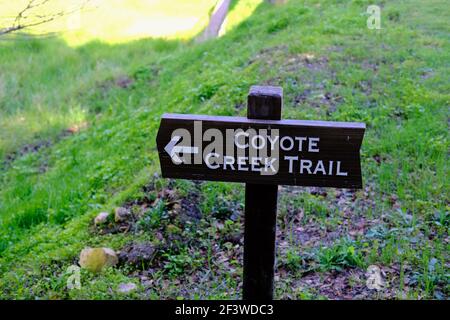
262	151
310	153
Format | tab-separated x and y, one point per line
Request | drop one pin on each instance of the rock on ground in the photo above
101	218
121	214
95	259
138	254
126	287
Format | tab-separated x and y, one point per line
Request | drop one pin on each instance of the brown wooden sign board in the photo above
262	151
282	152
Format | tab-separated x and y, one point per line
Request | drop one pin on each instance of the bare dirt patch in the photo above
38	146
124	82
312	74
139	255
317	97
171	210
349	206
349	284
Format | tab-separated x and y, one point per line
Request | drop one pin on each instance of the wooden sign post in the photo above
262	151
264	103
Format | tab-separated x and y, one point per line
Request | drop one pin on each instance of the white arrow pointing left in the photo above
173	150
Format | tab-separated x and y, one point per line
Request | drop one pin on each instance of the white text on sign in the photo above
249	150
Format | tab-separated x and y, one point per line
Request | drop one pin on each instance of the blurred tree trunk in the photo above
216	21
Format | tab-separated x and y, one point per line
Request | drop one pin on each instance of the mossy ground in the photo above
331	67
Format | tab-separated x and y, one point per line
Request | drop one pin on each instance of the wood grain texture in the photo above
259	241
261	209
265	102
339	141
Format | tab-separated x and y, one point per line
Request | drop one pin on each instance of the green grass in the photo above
40	106
395	80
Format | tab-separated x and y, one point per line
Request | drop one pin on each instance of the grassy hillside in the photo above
41	80
90	147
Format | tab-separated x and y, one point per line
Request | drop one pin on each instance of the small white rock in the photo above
126	287
121	214
374	279
101	218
